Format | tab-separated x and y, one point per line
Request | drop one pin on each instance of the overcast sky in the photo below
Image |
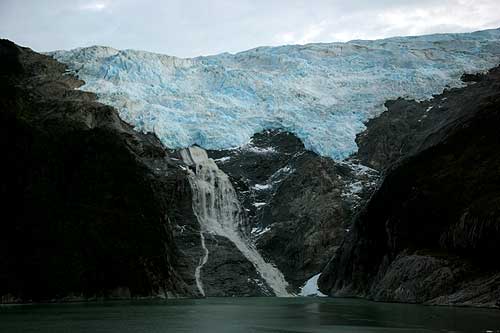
189	28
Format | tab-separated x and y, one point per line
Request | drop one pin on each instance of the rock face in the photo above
299	205
91	208
95	208
431	231
228	273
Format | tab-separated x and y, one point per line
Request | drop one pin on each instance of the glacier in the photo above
321	92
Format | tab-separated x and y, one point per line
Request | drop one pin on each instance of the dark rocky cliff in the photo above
95	209
299	205
90	206
431	232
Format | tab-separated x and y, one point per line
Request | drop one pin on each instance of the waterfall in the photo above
219	212
203	261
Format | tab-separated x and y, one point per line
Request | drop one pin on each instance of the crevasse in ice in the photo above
323	93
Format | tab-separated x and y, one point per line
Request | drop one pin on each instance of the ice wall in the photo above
321	92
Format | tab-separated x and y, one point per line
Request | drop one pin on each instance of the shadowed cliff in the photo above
89	204
431	232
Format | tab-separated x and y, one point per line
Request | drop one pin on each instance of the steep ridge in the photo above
322	93
90	207
218	210
430	233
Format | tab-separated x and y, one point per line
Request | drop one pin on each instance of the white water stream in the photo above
219	212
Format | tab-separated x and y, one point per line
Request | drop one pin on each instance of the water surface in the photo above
297	314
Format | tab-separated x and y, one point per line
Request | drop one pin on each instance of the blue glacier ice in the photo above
321	92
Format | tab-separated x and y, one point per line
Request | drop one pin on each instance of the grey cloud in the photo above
196	27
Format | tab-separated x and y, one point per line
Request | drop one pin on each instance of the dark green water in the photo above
246	315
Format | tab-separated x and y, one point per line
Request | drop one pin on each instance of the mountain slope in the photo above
298	205
431	232
89	204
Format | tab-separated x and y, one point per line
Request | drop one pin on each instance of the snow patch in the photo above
257	232
259	150
222	159
310	288
261	187
354	189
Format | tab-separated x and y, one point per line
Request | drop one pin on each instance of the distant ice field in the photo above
323	93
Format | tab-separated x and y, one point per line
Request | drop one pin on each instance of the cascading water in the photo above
219	212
